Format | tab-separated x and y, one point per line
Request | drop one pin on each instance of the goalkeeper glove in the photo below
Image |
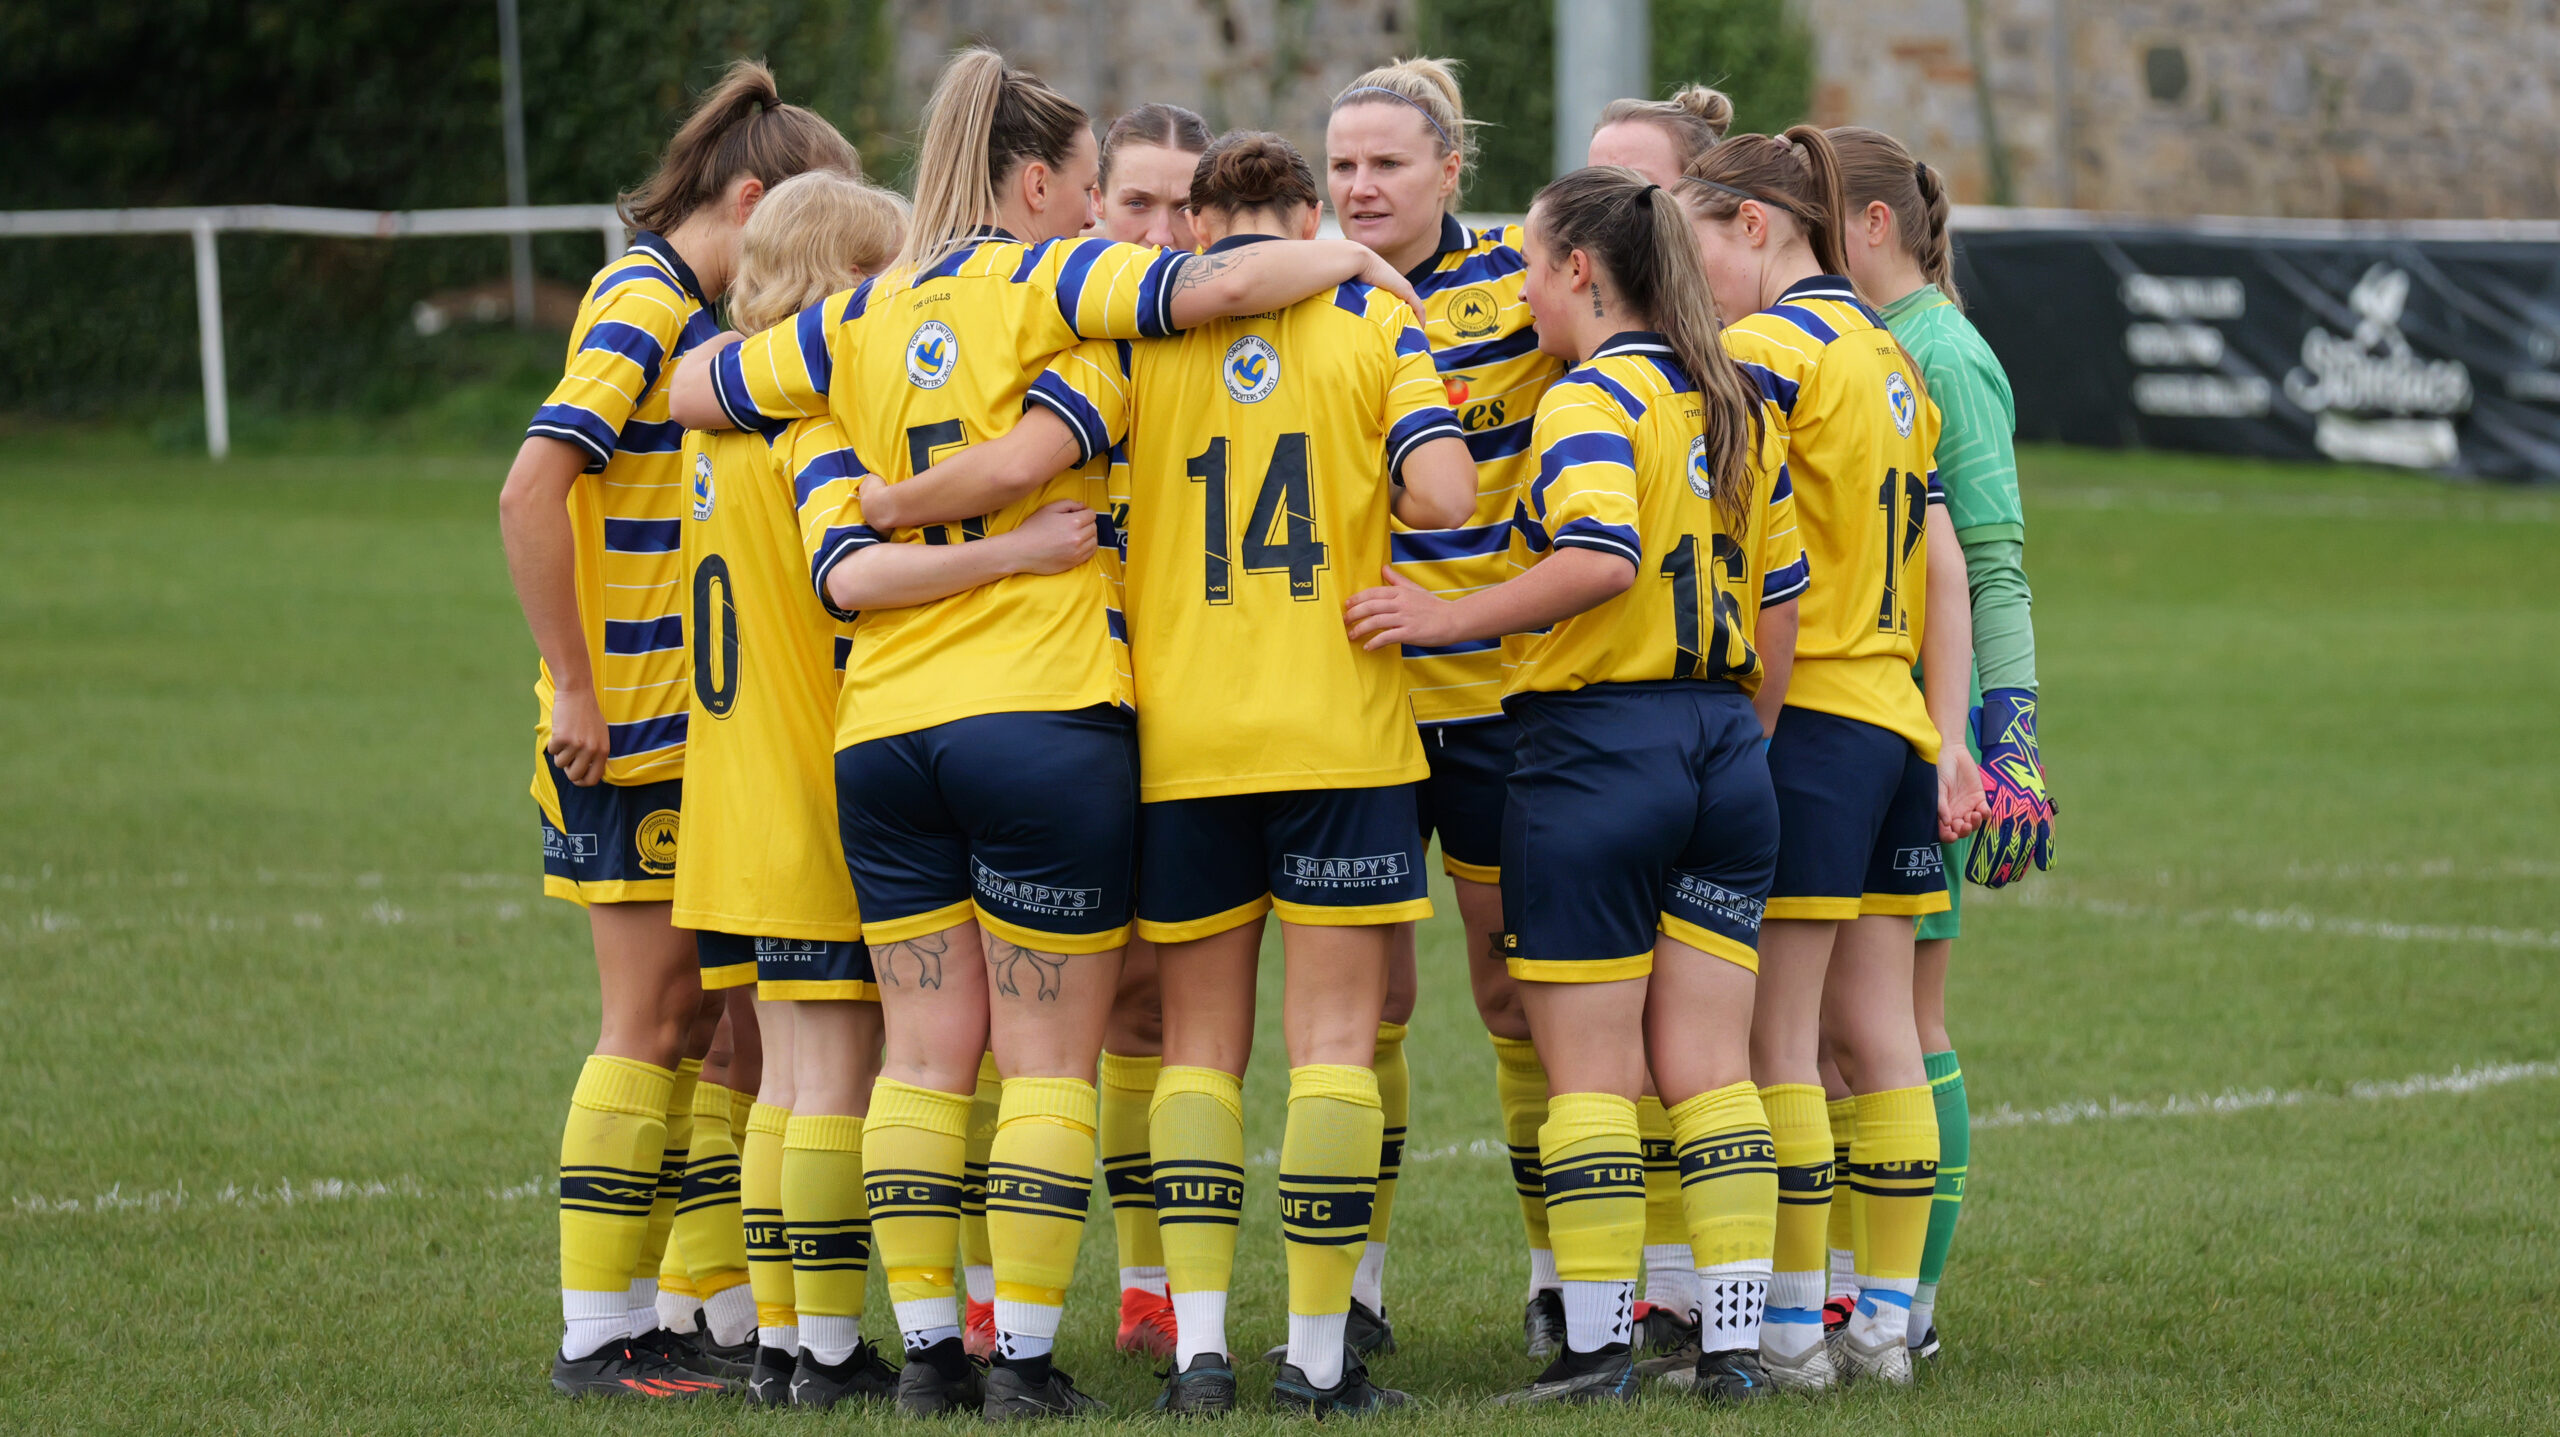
2019	831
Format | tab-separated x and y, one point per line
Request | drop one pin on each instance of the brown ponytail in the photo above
1252	170
1635	231
1171	126
739	127
1798	173
1695	118
984	121
1874	166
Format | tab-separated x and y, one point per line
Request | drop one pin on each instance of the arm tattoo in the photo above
926	953
1012	964
1199	269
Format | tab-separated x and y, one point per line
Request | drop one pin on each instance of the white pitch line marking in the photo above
2297	920
2460	1080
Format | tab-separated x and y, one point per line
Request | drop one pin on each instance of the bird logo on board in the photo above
1252	369
656	841
1474	313
701	487
1702	479
1904	404
932	352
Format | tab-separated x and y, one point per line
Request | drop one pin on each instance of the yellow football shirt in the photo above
1621	468
1487	354
1862	440
914	368
761	852
1260	455
641	314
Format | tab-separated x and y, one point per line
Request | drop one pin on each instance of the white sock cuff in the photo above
1795	1291
981	1282
1027	1319
780	1339
1199	1324
1315	1346
830	1339
1142	1279
1368	1280
643	1292
919	1314
1599	1313
1542	1270
730	1314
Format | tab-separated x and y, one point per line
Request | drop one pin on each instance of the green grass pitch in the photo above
286	1028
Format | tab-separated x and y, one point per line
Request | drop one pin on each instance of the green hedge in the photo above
386	104
393	104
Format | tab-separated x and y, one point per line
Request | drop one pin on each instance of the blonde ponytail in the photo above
983	122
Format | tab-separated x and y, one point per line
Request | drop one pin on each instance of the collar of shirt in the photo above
1237	242
1926	296
1634	341
656	247
1820	286
1453	236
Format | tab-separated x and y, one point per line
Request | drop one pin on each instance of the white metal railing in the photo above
203	222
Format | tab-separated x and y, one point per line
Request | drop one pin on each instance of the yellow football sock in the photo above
914	1149
662	1210
1593	1161
974	1251
609	1158
1893	1181
1039	1183
1328	1181
828	1225
761	1213
742	1109
1395	1106
672	1281
1728	1176
1843	1116
1801	1133
1520	1086
709	1227
1195	1127
1128	1087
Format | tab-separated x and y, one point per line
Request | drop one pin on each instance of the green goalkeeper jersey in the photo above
1979	468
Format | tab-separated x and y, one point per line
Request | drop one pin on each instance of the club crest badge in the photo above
1252	369
1904	405
932	353
701	487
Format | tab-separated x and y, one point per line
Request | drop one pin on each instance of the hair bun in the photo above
1712	107
1252	170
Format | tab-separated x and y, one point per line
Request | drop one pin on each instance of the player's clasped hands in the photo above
1399	612
1056	539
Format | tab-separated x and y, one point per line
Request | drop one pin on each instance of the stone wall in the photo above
2334	108
1266	64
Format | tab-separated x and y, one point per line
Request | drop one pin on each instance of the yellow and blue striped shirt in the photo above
1620	451
1261	451
1482	343
1862	438
916	369
642	313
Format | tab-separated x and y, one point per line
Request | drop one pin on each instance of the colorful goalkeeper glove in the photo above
2019	831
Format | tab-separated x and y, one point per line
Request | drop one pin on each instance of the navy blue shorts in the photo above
611	843
1462	800
794	968
1025	821
1336	856
1636	809
1858	808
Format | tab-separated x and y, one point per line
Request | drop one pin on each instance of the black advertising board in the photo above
2417	346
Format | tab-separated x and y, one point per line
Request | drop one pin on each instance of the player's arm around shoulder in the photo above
1427	456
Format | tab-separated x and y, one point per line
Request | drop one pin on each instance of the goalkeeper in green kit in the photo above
1896	232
